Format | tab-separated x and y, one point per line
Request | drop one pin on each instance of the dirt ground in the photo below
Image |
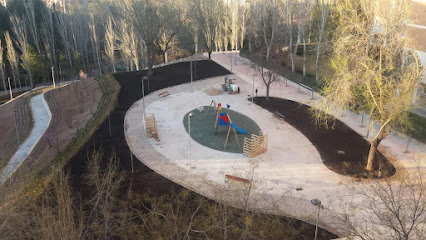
5	98
417	13
71	106
8	139
144	179
343	150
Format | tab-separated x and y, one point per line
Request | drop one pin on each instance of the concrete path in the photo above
290	163
41	116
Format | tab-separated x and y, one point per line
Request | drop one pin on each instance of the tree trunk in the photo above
371	154
304	55
374	145
196	47
267	91
268	51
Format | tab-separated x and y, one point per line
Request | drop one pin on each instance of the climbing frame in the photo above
151	127
255	145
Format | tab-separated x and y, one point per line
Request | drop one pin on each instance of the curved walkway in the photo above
275	175
41	116
285	178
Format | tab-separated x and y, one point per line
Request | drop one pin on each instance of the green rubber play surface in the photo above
204	132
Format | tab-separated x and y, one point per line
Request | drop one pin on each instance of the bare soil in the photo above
71	107
144	179
342	149
418	37
417	13
5	98
8	138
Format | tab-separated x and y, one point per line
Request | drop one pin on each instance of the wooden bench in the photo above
154	134
164	94
237	179
279	115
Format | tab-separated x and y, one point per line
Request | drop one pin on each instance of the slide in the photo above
243	131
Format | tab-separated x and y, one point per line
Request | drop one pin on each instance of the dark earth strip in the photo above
342	149
144	179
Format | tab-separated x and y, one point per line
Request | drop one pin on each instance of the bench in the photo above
154	134
237	179
279	115
164	94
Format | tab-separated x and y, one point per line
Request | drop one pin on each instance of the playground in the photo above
296	165
230	129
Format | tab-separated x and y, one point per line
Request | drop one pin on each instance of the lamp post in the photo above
53	77
10	89
143	96
16	125
189	133
231	61
190	68
252	90
317	203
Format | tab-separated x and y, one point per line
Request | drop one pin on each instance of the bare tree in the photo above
172	16
30	20
57	217
304	12
391	208
209	13
268	75
2	67
80	31
63	27
105	182
48	37
12	57
367	75
289	11
193	24
95	42
268	24
235	23
110	42
244	9
144	16
20	31
324	16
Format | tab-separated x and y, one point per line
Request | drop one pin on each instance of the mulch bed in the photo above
342	149
144	179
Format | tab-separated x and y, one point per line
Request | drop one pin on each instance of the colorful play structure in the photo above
223	119
151	127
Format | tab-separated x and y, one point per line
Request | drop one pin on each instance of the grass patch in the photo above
418	131
296	76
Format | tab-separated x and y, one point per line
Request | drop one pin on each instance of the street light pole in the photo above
143	97
317	203
53	77
231	61
189	133
252	90
190	68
